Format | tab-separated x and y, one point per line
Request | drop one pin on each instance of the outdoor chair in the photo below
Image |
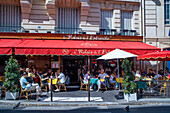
163	87
111	85
43	87
24	92
63	85
120	82
83	84
103	87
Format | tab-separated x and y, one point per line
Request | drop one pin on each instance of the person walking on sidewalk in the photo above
28	86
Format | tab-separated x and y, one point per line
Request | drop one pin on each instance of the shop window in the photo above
10	18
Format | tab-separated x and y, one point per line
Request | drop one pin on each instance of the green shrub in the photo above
12	75
128	82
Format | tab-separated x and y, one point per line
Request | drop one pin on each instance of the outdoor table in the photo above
93	81
141	85
54	81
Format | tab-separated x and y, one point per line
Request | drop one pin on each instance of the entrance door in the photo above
71	66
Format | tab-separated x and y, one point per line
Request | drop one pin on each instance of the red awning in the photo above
79	47
160	56
7	44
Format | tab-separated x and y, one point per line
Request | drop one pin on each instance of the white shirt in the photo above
138	75
157	76
62	77
111	78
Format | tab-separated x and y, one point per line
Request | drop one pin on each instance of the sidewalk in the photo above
79	98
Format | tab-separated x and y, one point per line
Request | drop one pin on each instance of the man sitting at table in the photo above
28	86
150	74
61	80
48	75
157	76
103	78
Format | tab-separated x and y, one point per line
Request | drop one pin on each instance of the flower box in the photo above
11	96
130	97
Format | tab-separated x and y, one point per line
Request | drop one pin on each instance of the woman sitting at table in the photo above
85	80
112	79
137	76
61	80
36	76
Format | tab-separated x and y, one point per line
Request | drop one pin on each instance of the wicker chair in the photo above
24	92
83	84
63	85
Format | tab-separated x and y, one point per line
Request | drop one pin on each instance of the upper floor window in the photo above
10	18
126	22
67	20
106	22
167	11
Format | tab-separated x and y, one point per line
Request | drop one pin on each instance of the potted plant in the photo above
128	82
12	76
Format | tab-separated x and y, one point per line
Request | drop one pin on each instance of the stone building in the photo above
69	33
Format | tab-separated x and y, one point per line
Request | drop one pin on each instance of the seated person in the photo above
44	79
103	79
143	73
112	79
157	76
85	80
138	74
27	86
48	75
36	76
61	80
150	74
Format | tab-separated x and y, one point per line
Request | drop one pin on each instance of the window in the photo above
126	20
67	20
167	12
10	18
106	19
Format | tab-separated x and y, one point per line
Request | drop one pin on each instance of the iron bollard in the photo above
51	90
89	88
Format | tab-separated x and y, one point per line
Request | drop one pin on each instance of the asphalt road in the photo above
87	109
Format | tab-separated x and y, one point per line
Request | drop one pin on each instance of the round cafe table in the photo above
54	81
93	81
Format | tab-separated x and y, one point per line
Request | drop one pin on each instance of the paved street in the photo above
89	109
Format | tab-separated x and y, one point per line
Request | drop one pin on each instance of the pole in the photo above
89	88
157	71
118	71
51	90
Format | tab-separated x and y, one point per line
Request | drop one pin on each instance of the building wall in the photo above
40	15
156	31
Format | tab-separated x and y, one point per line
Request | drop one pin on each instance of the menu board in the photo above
54	64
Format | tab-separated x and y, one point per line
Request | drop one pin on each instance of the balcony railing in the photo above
16	29
108	31
68	30
127	32
115	32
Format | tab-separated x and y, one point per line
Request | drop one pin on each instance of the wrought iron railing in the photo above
68	30
108	32
127	32
16	29
122	32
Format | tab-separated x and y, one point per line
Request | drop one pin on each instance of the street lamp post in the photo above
51	90
89	88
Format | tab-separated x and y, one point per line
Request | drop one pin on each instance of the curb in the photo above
77	103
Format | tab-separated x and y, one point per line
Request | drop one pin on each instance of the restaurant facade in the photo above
67	34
